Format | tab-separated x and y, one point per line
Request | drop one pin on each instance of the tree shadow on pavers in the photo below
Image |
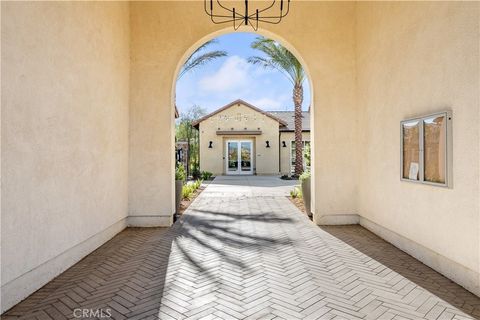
217	236
267	217
407	266
126	277
122	279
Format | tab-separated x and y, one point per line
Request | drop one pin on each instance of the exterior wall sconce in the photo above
210	144
268	143
284	144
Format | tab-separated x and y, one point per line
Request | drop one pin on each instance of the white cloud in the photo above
269	104
235	79
232	75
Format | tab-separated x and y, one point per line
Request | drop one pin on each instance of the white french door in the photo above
239	157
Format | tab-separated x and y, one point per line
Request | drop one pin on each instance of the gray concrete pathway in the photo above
243	251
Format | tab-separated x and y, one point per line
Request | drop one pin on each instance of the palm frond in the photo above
269	64
199	60
196	59
203	46
279	58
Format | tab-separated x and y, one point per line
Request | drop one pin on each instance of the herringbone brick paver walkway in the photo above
243	251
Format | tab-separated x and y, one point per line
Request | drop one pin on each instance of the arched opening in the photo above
228	146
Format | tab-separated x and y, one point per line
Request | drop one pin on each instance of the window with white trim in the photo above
426	150
306	155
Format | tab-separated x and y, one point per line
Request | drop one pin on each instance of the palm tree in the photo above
279	58
198	59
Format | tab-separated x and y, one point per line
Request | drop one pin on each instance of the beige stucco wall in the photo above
285	153
155	51
414	59
65	87
265	160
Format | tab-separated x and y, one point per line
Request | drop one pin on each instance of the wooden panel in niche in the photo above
411	150
434	149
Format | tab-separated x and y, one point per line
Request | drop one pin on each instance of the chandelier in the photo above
220	13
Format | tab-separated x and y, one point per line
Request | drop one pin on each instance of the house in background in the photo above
240	138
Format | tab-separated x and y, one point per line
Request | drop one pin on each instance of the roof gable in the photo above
236	102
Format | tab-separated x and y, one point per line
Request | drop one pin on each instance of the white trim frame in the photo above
239	168
292	167
421	163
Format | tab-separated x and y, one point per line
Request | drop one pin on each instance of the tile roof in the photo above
288	118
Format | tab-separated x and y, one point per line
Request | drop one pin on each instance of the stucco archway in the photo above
283	42
161	45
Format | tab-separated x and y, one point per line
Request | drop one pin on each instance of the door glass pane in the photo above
434	145
246	156
232	156
411	150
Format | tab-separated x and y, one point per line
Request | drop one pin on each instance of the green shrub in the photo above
180	173
305	175
198	183
296	193
205	175
293	193
189	189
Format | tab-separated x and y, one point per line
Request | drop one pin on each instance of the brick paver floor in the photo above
243	251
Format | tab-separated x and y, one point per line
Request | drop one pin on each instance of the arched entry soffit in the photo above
261	32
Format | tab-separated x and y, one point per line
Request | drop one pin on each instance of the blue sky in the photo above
232	77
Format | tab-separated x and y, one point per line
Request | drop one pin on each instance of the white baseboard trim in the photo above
456	272
337	219
150	221
21	287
